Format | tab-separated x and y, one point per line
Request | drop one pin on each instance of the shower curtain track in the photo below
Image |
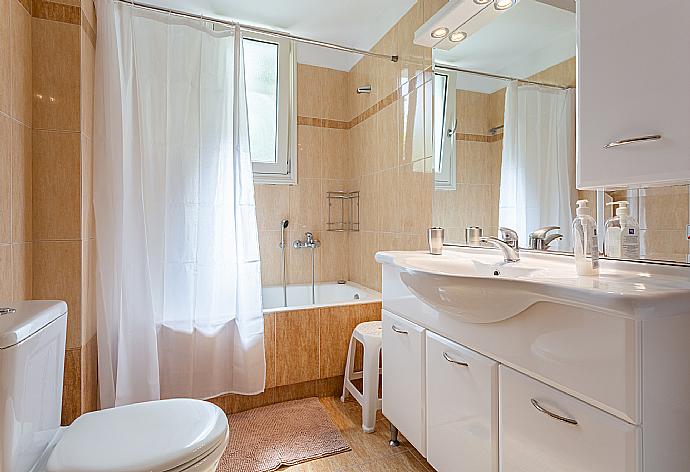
501	77
258	29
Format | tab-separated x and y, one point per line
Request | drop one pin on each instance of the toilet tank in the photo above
32	353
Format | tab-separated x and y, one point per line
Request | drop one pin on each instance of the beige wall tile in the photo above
415	200
335	88
6	187
5	275
309	151
57	276
297	346
271	259
390	201
305	205
334	153
22	271
88	222
88	290
387	131
87	80
89	376
20	58
57	184
272	205
371	270
355	257
5	62
309	92
56	75
22	183
71	390
333	257
270	348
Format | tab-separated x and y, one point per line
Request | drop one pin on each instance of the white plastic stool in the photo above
369	335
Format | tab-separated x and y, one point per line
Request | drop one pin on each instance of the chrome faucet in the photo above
540	240
510	237
510	253
308	243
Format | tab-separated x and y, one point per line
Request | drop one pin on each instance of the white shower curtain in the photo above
178	281
538	163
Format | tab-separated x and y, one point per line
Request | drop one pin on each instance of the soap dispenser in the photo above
585	240
622	233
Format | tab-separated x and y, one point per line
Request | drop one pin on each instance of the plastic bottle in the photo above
622	233
585	240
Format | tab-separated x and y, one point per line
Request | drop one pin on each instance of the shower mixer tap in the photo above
308	243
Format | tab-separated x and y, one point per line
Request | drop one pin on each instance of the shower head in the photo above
284	224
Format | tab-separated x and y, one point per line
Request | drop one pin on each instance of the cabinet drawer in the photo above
462	408
534	440
403	378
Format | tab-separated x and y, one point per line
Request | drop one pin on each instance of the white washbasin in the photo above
476	286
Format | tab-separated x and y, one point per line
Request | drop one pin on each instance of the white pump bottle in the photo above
585	241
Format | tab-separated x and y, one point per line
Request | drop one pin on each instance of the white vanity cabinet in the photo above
633	76
403	385
462	407
546	430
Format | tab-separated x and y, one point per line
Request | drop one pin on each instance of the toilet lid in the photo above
153	436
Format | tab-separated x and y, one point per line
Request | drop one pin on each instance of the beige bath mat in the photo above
289	433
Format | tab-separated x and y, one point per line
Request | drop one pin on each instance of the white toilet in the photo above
179	435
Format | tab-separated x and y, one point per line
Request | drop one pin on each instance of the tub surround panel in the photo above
297	346
305	354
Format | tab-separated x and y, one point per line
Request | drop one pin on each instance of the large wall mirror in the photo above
504	133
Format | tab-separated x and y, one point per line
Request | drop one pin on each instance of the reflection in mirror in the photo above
505	153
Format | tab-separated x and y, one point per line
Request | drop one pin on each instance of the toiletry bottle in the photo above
630	232
585	241
612	237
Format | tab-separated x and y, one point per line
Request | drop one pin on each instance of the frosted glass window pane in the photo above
261	71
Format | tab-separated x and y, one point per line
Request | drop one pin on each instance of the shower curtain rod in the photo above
501	77
257	29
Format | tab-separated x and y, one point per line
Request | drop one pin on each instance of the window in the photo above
444	130
271	105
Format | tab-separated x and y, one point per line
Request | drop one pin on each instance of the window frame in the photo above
445	175
284	170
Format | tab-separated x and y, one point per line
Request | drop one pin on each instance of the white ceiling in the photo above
353	23
528	38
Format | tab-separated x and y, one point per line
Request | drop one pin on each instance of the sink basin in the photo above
477	286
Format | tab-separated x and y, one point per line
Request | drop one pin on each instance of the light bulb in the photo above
504	4
457	36
439	33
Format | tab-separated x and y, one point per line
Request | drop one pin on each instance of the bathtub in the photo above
327	294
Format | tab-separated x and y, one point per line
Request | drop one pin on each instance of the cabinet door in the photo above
633	76
403	378
545	430
462	408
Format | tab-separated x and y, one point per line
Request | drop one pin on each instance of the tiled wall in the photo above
323	147
306	352
46	88
15	151
377	143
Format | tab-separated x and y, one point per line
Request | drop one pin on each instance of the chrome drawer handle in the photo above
450	359
639	139
7	311
398	330
551	414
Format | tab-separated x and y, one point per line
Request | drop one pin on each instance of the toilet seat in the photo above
158	436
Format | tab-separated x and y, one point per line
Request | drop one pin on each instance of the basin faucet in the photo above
510	254
540	240
308	243
510	237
